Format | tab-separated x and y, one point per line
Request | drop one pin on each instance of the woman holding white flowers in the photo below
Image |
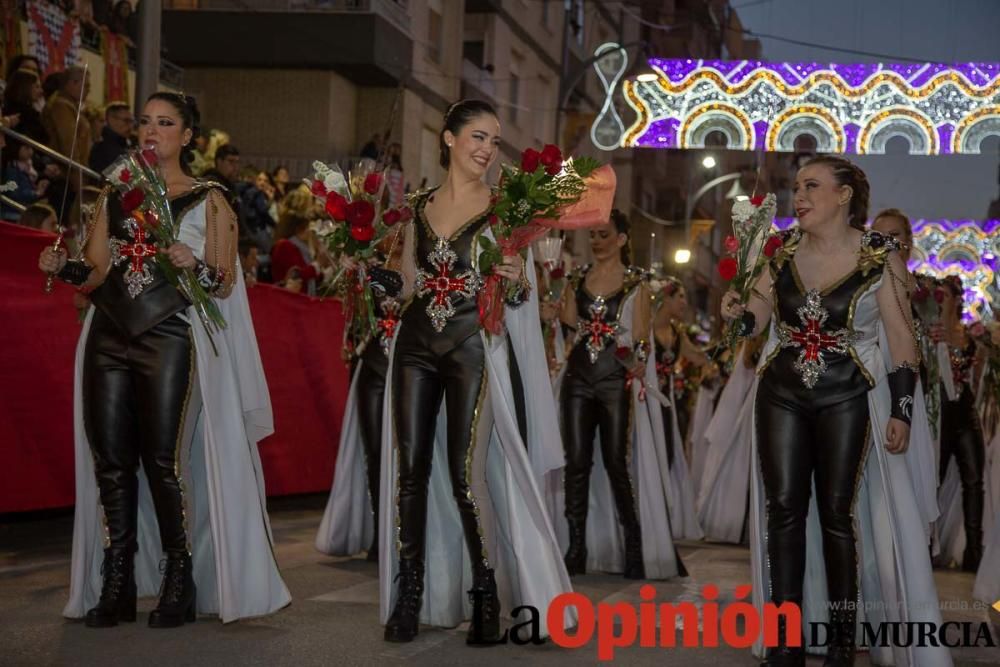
833	407
153	386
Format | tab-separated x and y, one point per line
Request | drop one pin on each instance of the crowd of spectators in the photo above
274	210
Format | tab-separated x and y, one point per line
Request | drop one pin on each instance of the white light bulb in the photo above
682	256
708	162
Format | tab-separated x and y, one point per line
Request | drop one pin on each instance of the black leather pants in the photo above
370	390
135	400
962	437
800	442
588	408
423	376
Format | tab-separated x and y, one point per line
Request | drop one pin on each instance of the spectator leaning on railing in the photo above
21	99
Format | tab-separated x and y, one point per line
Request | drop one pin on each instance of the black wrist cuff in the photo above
210	278
75	272
518	294
385	282
902	384
746	324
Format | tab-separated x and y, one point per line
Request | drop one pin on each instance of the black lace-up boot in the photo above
177	593
404	623
117	603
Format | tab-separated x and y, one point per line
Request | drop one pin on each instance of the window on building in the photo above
475	53
515	96
545	13
434	34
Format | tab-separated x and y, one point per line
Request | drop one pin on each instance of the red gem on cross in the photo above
812	339
444	285
138	250
598	329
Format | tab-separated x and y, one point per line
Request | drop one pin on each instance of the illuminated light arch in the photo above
937	108
723	118
912	125
813	120
972	130
967	248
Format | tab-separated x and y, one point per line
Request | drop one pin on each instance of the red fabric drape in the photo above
299	340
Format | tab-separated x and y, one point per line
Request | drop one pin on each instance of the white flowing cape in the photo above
528	564
704	408
891	512
656	490
228	529
348	525
722	496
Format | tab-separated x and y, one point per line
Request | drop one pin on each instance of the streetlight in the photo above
682	256
708	162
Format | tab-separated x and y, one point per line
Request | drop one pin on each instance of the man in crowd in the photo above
116	137
225	172
60	117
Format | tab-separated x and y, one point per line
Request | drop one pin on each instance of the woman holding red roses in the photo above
605	403
154	387
833	406
469	521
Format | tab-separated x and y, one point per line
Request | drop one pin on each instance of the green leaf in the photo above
585	166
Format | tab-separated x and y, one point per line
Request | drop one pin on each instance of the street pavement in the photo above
333	617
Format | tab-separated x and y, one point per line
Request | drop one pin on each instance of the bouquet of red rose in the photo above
748	250
144	199
635	368
352	231
544	192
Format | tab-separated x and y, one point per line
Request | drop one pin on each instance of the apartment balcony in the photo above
477	83
367	41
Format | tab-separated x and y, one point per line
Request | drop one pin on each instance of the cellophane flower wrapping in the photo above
531	199
748	249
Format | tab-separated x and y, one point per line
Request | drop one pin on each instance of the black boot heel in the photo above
404	624
485	627
178	595
118	594
576	555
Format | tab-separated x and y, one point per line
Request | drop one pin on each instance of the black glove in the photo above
746	324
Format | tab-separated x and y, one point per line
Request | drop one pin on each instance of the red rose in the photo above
557	273
360	213
391	217
552	158
772	245
405	214
362	233
373	183
336	206
728	268
152	219
318	188
939	294
757	200
125	176
731	244
920	294
493	220
132	200
529	160
150	157
623	352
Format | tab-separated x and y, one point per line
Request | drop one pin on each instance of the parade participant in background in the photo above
350	522
829	404
482	492
962	443
605	405
153	388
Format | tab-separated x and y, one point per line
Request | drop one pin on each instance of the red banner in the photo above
299	340
114	51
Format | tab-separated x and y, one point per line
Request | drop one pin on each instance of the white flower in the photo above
9	186
655	286
743	210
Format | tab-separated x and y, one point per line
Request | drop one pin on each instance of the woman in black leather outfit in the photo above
961	430
440	356
140	389
812	410
595	397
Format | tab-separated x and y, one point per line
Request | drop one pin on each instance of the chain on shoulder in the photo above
906	316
